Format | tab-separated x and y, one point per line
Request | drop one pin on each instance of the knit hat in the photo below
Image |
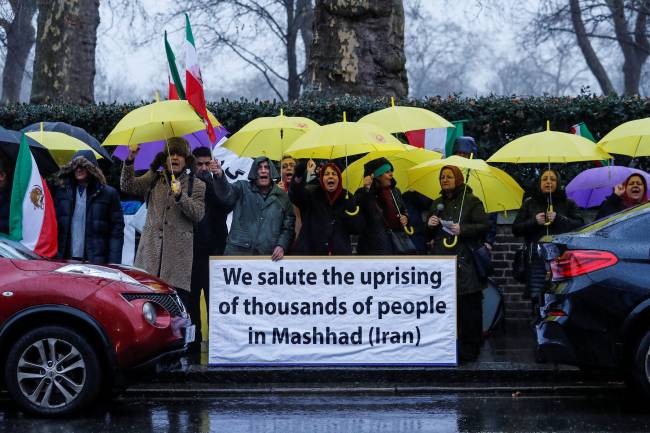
377	167
466	144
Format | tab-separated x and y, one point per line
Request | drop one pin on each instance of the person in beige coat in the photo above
166	244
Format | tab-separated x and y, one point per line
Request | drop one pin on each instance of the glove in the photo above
158	161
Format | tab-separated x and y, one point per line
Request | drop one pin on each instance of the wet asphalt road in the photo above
359	414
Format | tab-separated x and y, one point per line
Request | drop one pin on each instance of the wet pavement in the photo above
493	412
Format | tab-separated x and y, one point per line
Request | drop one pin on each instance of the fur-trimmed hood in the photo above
66	173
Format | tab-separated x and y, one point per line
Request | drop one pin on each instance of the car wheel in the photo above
52	370
640	374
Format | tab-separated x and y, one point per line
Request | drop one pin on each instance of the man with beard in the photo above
209	238
263	219
175	202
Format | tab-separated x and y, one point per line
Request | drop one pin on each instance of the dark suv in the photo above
596	309
71	330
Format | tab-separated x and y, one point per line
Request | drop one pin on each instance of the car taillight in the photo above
579	262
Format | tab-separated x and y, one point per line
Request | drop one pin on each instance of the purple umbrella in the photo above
591	187
149	150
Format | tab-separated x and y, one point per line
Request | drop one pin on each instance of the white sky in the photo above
141	71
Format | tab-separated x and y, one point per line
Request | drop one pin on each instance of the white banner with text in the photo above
333	310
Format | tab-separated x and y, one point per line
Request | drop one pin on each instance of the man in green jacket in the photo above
263	218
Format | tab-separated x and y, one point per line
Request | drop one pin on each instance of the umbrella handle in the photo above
450	245
550	209
354	212
356	209
409	230
174	186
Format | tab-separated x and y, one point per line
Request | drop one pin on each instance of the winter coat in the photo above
526	226
259	223
611	205
474	225
5	205
373	231
211	232
104	227
166	243
326	228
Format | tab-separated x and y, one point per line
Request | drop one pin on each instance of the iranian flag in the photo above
193	81
582	130
437	139
32	219
176	90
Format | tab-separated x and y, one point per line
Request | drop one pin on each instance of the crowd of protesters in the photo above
301	210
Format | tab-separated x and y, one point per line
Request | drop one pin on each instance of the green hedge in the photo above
493	121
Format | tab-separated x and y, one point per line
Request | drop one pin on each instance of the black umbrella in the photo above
72	131
10	143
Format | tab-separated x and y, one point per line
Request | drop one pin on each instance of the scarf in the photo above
331	196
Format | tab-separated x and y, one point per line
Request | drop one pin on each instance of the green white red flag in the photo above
440	140
176	90
582	130
32	219
194	82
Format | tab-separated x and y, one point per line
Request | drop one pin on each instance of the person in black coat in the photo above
209	240
535	219
5	193
326	226
88	212
381	209
632	192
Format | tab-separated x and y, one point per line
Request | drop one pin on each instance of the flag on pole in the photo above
193	81
437	139
176	90
32	219
582	130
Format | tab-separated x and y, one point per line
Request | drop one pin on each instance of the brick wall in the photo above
517	309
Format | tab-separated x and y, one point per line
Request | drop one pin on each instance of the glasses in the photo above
288	165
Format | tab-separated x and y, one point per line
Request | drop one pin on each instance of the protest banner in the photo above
333	310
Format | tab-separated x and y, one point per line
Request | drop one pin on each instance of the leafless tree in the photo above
17	36
271	36
599	23
441	57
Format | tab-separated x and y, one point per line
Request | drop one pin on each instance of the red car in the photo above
70	331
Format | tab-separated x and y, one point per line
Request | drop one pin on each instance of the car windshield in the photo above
614	218
14	250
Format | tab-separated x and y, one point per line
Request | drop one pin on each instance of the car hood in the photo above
48	266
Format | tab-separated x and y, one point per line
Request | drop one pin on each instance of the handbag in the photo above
401	242
483	261
520	264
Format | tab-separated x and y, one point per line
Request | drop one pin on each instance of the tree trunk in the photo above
305	20
293	82
20	38
588	52
358	49
64	65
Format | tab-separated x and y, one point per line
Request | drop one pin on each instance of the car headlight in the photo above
97	271
149	312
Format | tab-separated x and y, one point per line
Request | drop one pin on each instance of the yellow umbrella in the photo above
61	146
547	147
401	119
401	161
630	138
268	136
157	121
341	139
495	188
